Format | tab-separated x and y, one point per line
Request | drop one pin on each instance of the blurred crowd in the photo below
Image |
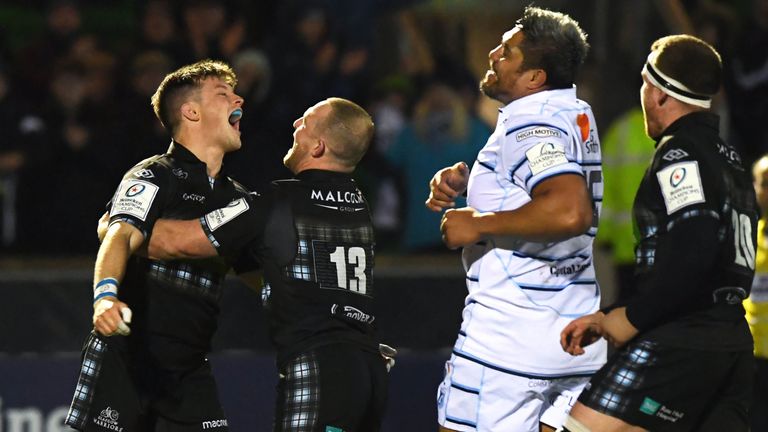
75	113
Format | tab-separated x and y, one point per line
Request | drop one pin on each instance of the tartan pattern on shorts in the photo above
86	382
609	395
301	394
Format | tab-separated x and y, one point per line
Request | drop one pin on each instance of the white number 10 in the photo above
742	236
356	257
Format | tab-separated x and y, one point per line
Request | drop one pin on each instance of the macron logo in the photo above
213	424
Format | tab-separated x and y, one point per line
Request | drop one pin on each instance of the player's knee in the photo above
573	425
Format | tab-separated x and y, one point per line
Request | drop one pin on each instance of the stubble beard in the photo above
490	84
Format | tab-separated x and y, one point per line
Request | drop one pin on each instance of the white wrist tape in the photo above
122	326
104	288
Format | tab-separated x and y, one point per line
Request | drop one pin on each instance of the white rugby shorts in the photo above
475	397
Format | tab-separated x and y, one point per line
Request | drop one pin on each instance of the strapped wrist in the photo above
106	287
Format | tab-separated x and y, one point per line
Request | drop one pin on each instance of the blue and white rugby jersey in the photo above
522	294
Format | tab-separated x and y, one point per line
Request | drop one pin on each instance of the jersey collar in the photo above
323	175
540	97
182	154
703	118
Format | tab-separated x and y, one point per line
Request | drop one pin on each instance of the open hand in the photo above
581	332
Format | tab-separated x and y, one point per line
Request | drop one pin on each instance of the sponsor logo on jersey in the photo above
180	173
649	406
107	419
545	155
656	409
213	424
677	177
337	196
674	155
144	173
134	190
537	383
219	217
193	197
729	152
538	131
568	270
352	313
134	198
729	295
591	143
680	185
582	121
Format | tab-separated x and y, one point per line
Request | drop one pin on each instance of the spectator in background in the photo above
158	31
626	153
11	152
144	135
264	136
390	109
746	81
211	31
441	132
11	158
305	56
756	304
63	26
62	133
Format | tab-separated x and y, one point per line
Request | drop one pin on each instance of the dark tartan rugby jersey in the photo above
696	221
175	304
313	238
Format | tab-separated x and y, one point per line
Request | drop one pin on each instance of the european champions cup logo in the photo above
677	177
548	148
135	190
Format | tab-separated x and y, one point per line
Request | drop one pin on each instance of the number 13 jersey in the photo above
314	240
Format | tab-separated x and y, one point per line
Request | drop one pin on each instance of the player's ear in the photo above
318	150
190	111
660	97
537	79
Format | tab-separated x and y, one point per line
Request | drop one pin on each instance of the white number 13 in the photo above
356	257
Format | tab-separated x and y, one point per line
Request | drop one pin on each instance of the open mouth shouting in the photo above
234	118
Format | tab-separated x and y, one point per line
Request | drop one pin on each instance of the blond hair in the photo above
349	129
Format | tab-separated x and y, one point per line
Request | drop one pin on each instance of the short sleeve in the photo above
535	151
230	229
684	183
141	196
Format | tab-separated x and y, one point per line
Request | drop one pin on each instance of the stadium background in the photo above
75	81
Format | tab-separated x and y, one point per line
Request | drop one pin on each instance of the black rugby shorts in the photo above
332	388
663	388
114	394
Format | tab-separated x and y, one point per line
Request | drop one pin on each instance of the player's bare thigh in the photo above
597	421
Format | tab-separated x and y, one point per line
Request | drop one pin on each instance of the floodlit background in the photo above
75	83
